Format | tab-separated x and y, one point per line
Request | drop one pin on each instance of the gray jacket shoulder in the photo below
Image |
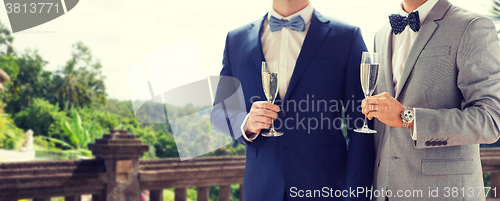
460	17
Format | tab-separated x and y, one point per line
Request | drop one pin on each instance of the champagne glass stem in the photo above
272	122
272	125
365	125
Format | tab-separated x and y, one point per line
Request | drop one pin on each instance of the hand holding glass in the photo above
270	84
369	78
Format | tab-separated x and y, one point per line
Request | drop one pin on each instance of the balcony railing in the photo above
117	174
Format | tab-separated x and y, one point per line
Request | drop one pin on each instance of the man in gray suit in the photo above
438	99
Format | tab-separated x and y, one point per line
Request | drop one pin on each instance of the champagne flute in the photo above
270	85
369	78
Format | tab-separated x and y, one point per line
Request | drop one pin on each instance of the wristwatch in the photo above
407	115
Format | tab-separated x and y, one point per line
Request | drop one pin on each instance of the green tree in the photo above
80	83
495	10
43	118
80	135
26	82
11	137
6	41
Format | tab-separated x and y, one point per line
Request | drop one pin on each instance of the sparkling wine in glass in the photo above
270	84
369	78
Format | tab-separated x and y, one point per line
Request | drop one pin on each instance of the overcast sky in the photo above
121	32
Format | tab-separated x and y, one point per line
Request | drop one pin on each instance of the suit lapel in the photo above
315	36
255	44
385	73
427	30
386	60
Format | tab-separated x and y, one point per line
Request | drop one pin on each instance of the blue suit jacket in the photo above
312	153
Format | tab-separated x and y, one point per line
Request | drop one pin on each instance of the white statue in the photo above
28	143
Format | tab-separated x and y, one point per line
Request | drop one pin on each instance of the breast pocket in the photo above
436	52
323	63
448	166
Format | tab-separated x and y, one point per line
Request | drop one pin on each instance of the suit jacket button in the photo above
445	142
433	143
283	113
439	143
428	143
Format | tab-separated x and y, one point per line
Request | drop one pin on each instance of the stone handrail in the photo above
117	174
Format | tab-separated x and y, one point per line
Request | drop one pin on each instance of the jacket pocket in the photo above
323	62
435	52
448	166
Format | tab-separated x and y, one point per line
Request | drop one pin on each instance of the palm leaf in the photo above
71	134
77	127
55	141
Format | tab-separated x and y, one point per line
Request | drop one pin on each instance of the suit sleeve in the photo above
229	109
361	153
478	62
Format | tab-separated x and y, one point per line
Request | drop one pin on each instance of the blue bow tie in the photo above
296	23
398	22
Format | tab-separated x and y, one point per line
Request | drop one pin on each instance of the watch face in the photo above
408	114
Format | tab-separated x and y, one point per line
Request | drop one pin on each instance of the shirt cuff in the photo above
414	131
244	128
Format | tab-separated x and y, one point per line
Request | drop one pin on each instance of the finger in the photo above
365	110
373	108
387	95
255	125
373	101
265	112
268	106
262	119
258	104
371	115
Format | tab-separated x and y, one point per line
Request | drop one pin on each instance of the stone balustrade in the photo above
117	174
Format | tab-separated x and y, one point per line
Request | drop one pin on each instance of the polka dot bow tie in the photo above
296	23
399	23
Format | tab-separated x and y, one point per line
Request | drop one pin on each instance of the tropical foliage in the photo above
11	137
495	10
67	109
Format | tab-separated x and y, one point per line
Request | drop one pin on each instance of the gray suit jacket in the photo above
452	78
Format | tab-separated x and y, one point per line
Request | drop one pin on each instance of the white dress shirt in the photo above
401	46
282	46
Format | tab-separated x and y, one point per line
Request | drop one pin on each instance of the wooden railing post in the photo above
98	198
121	152
180	194
225	193
73	198
495	183
241	192
156	195
41	199
202	193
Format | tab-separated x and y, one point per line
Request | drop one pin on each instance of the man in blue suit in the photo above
319	61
